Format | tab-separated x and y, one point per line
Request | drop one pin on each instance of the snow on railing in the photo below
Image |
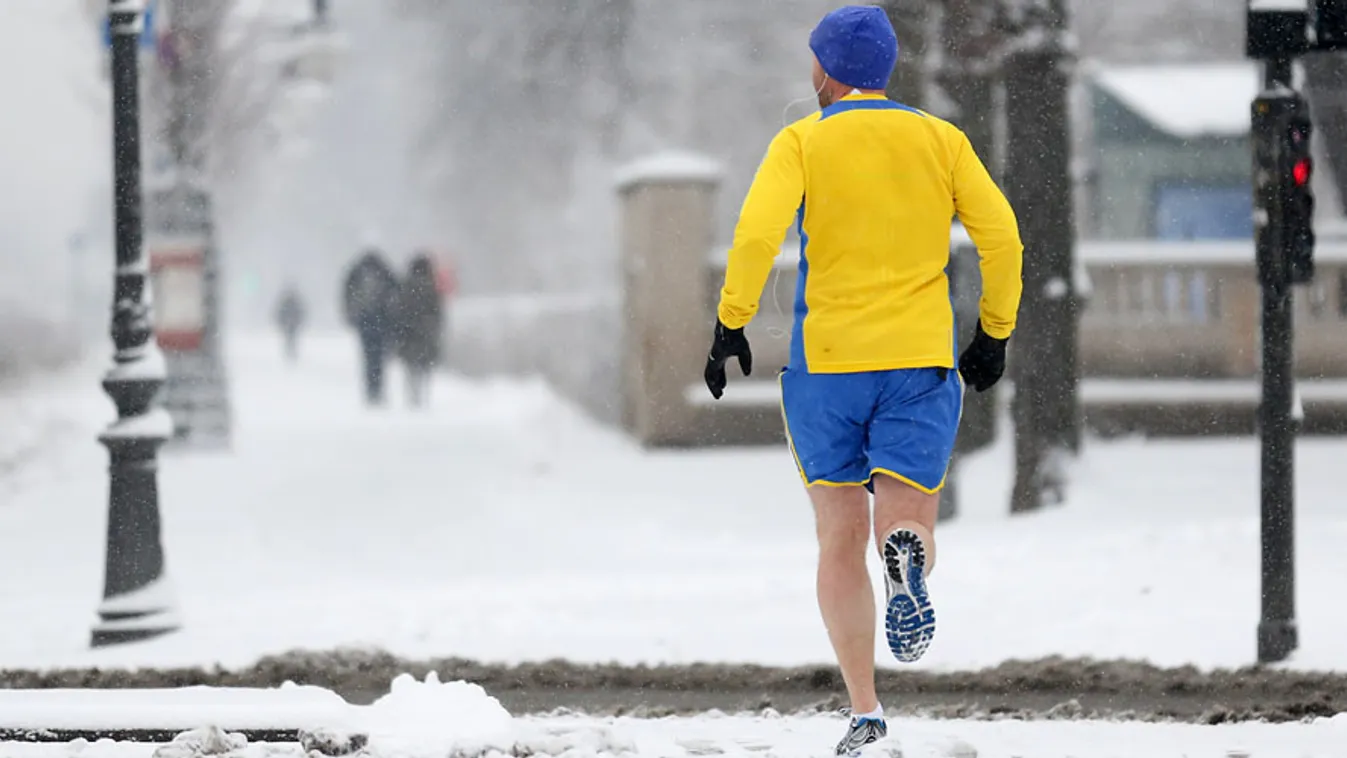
1094	390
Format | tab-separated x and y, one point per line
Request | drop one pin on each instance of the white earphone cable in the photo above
772	331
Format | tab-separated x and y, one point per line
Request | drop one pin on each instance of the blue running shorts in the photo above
845	428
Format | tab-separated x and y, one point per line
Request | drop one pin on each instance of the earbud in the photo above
797	101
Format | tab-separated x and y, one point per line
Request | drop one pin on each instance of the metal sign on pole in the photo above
180	245
146	39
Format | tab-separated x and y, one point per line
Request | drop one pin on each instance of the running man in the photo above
870	398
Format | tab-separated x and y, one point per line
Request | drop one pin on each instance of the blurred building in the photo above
1168	154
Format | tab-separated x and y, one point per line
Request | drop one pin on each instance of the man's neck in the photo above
837	96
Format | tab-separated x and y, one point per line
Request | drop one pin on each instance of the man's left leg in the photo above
911	440
905	535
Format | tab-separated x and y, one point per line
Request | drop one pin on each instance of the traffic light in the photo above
1283	200
1330	24
1298	200
1281	28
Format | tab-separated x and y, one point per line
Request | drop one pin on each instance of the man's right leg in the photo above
845	596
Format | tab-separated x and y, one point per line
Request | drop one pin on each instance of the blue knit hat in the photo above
856	46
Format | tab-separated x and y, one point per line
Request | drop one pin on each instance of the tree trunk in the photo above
965	78
908	83
195	28
1038	184
967	74
1325	74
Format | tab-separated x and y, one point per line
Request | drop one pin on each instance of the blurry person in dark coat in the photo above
420	325
368	301
290	316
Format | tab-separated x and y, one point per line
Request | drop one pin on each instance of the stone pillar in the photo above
667	217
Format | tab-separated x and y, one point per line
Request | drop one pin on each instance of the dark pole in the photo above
137	602
1277	635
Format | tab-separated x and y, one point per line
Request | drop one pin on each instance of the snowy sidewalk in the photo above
503	525
429	719
736	737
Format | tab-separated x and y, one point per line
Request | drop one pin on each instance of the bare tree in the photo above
1148	30
1038	183
522	91
969	73
189	52
221	75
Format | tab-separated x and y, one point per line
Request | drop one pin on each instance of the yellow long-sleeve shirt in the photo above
873	186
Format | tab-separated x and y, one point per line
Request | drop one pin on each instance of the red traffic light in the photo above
1301	172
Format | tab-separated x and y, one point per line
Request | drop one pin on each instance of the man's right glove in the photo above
984	361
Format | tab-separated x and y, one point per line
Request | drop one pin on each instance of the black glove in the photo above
982	364
727	343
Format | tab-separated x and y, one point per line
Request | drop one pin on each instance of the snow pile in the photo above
202	742
181	708
434	717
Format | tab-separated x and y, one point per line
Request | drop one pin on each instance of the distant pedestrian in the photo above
290	317
420	327
368	300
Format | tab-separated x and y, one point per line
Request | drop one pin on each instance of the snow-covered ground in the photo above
503	525
424	719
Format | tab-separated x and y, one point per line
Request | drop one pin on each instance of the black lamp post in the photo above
137	601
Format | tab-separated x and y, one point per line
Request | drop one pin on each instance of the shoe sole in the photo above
909	622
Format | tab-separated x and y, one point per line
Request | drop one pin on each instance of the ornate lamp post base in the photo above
137	602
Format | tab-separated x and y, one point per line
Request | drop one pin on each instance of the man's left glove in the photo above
726	344
983	363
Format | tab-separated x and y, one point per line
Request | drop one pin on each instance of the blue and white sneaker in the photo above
909	622
860	733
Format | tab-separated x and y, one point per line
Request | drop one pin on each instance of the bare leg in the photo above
904	518
901	506
845	595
